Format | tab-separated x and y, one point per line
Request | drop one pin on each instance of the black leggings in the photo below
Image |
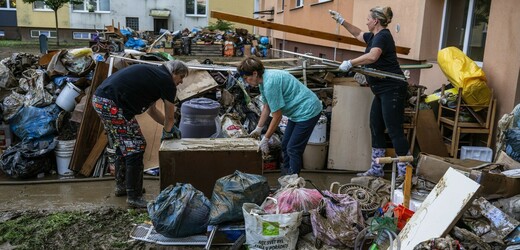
387	111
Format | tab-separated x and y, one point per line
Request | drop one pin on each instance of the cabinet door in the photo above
350	143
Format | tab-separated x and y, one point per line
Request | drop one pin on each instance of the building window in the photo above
40	5
132	22
281	4
196	7
299	3
93	6
48	33
7	4
2	33
82	35
468	31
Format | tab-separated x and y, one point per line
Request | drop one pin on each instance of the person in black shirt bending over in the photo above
390	94
125	94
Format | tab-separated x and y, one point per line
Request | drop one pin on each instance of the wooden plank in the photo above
90	127
440	210
197	82
90	163
350	142
429	136
296	30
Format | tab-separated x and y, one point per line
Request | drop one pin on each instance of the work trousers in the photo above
294	141
387	112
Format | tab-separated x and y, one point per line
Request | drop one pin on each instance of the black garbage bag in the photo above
232	191
28	158
180	211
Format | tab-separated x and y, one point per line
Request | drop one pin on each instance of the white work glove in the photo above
264	145
345	66
336	16
256	132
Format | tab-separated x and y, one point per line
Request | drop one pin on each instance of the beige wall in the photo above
502	55
243	8
418	22
27	17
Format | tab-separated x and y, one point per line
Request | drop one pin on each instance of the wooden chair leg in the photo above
456	143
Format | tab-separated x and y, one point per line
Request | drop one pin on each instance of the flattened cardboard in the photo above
432	167
498	186
503	158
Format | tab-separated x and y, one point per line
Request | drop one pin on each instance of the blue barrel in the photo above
198	118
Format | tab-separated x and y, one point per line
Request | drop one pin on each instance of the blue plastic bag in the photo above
34	122
180	211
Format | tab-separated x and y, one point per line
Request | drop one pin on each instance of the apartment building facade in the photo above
8	24
484	29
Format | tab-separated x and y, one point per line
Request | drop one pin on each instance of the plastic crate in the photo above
476	153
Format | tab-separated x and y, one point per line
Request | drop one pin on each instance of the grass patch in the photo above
31	230
36	44
100	229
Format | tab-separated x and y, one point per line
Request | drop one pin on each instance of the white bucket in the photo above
63	161
66	97
319	133
63	151
315	156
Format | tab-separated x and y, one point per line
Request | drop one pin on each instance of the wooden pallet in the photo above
206	50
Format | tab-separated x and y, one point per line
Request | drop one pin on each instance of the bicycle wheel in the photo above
95	48
112	48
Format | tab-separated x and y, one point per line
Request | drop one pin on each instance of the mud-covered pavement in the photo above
68	214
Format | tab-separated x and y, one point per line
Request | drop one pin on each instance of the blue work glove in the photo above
175	133
345	66
336	16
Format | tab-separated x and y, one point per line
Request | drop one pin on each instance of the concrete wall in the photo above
120	9
502	55
242	8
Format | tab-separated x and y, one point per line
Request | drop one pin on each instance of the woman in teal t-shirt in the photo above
283	94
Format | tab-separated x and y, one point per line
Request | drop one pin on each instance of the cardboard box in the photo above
497	186
432	167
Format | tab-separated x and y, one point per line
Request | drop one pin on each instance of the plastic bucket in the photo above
62	161
66	98
315	156
63	151
319	133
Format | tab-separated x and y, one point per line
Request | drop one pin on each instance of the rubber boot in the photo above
134	181
120	177
376	169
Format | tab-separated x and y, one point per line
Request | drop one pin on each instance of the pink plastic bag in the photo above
293	197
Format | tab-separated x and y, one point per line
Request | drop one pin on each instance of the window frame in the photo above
301	3
126	22
40	32
195	9
45	7
8	6
467	36
86	9
82	32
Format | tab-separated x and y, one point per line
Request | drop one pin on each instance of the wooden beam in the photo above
296	30
91	126
90	163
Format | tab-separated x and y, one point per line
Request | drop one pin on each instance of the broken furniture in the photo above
350	143
201	161
449	120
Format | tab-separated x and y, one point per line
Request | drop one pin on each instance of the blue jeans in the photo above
294	141
387	111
